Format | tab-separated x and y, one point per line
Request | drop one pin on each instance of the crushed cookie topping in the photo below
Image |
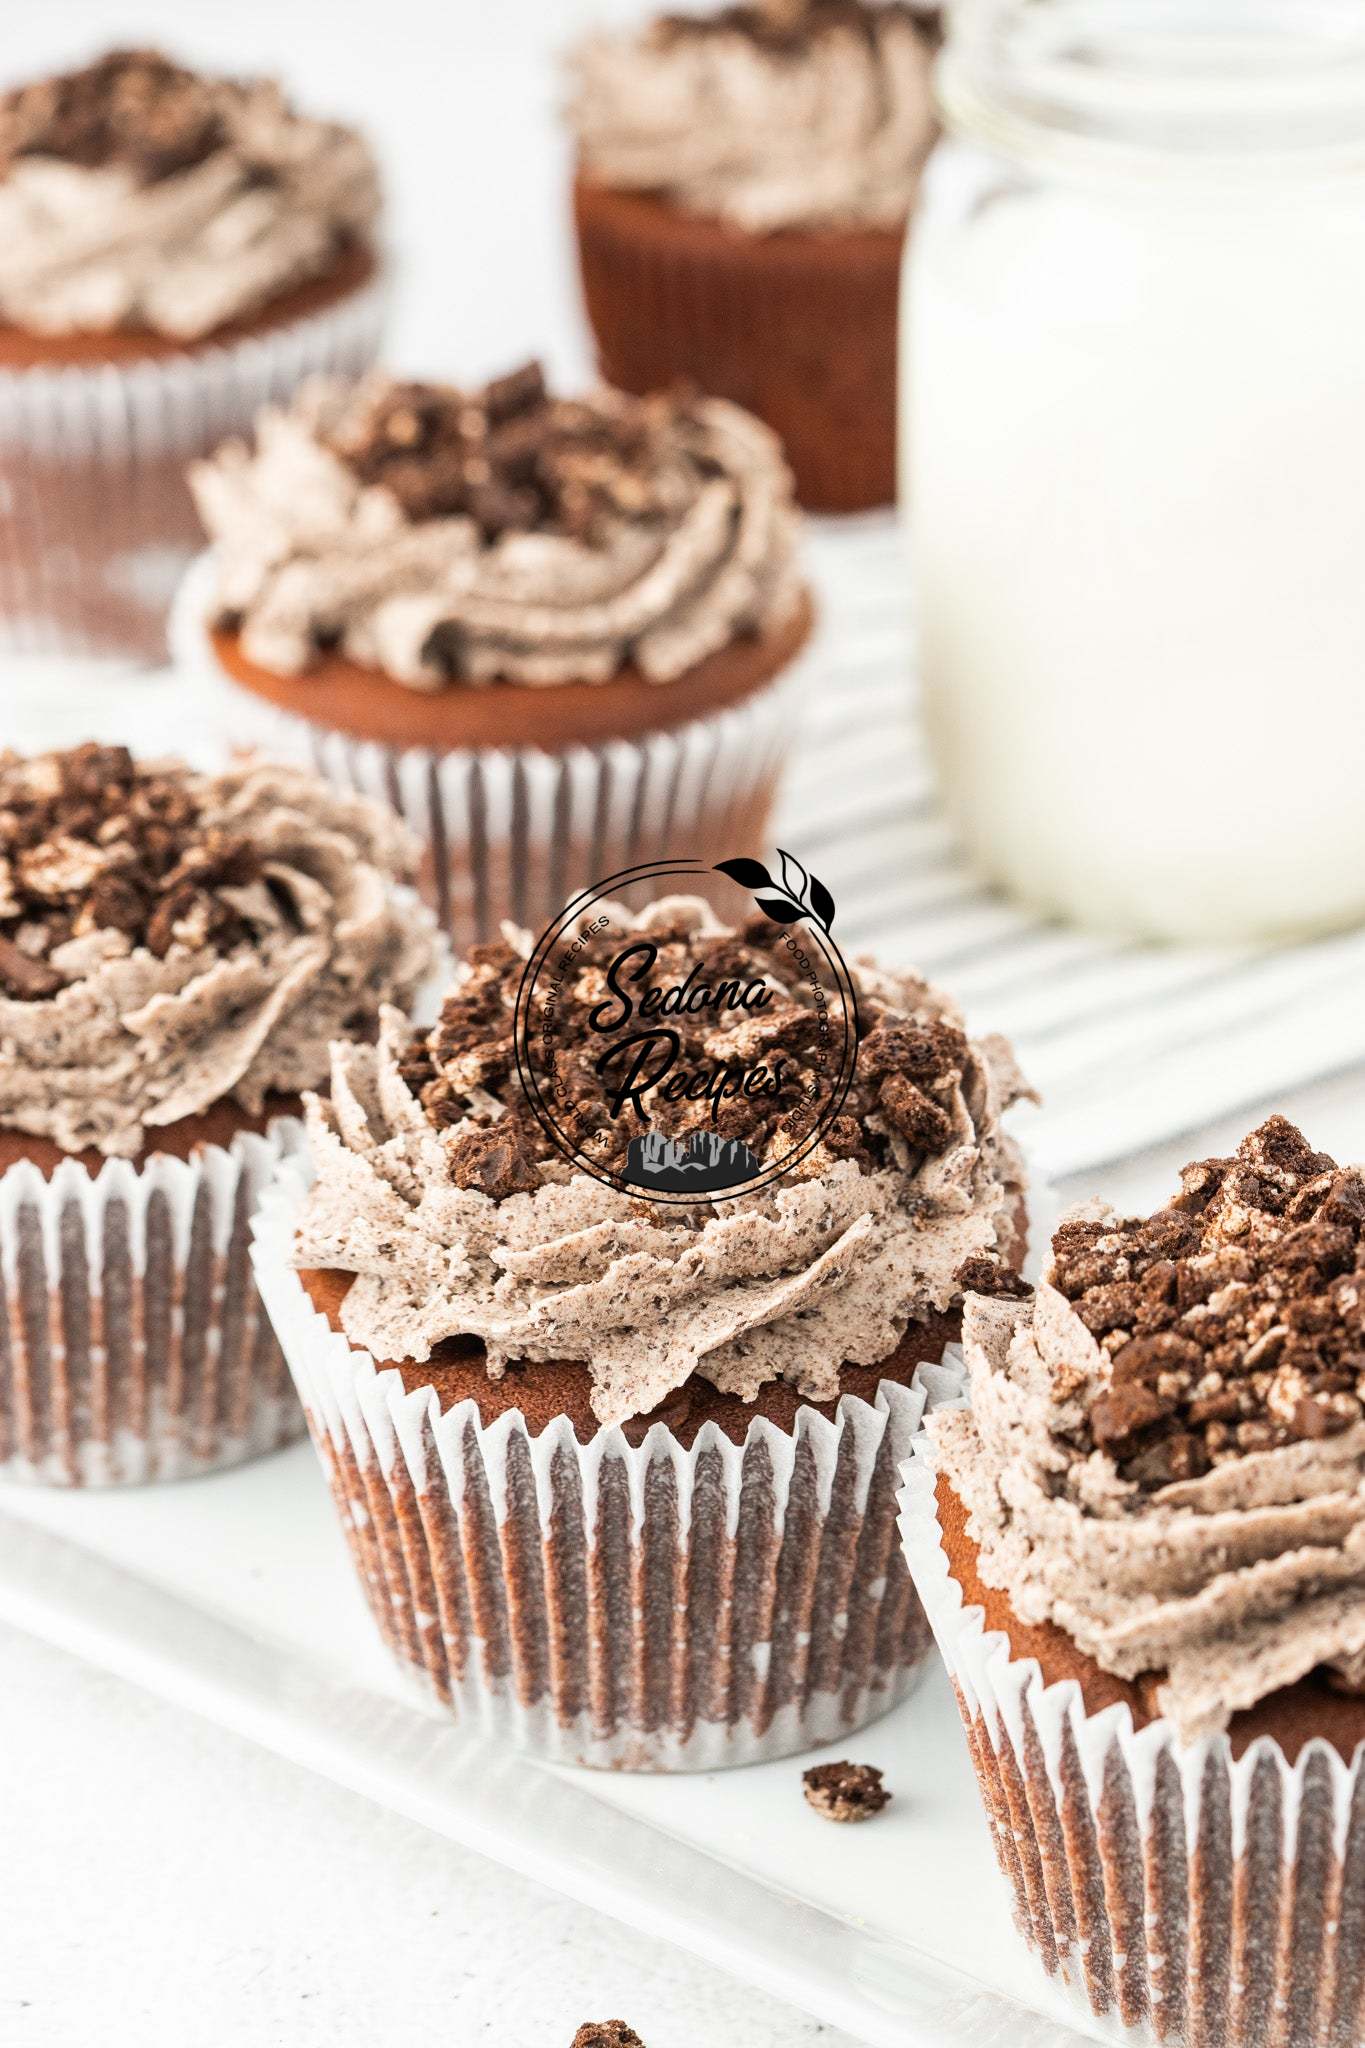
1234	1319
465	1067
845	1792
90	841
511	456
133	108
606	2034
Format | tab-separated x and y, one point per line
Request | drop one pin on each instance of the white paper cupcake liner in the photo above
133	1342
1197	1898
96	520
635	1608
513	832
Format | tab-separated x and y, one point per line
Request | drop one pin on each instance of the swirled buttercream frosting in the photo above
1164	1453
170	940
137	195
815	114
444	537
439	1190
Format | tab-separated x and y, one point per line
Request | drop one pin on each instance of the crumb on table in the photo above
845	1791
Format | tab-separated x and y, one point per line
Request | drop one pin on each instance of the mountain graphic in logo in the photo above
702	1163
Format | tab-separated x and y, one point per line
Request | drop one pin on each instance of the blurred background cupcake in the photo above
617	1471
559	634
1142	1548
175	251
177	951
743	184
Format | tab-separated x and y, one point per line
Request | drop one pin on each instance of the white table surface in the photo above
162	1882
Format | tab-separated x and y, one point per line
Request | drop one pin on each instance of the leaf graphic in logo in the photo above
794	876
822	903
750	874
802	894
780	910
807	889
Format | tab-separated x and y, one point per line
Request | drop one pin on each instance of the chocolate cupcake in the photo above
557	633
175	252
618	1473
177	953
1142	1549
743	186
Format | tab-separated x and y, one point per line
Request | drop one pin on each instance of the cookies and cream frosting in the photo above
171	940
440	1191
811	114
135	194
1164	1453
443	536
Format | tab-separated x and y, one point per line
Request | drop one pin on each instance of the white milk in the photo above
1135	458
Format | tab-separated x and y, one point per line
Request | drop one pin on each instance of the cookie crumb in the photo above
986	1274
844	1791
606	2034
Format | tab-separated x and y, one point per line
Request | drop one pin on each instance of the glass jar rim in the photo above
1210	91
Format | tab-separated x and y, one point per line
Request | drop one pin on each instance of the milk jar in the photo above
1134	458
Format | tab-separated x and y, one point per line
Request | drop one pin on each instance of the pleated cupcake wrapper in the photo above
96	520
1175	1890
513	832
801	329
648	1608
133	1341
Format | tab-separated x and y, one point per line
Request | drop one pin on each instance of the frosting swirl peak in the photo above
135	194
1164	1454
171	940
443	536
815	115
436	1188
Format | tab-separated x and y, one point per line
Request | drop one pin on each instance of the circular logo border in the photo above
649	871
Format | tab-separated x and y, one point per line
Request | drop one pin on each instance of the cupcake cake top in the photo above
443	536
170	940
439	1189
793	114
1164	1453
136	194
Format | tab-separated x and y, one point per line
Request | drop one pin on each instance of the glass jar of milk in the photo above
1134	456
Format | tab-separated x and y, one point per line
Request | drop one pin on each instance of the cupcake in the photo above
177	952
175	252
618	1471
1142	1549
559	634
743	184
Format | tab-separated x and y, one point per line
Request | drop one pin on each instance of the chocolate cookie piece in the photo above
844	1791
510	456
